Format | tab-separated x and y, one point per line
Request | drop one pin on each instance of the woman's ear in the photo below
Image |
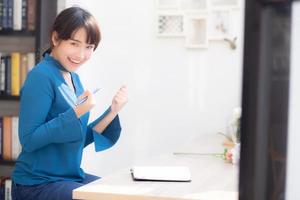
54	38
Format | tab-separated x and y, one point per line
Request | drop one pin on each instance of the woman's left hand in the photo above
119	100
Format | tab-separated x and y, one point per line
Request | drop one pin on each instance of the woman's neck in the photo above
53	54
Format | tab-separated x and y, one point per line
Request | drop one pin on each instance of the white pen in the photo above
85	98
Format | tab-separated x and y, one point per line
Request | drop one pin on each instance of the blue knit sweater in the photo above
51	135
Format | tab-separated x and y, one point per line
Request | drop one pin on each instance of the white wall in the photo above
293	163
175	93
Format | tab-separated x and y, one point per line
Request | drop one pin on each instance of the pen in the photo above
85	98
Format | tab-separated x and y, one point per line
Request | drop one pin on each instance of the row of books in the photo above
13	70
18	14
10	146
5	188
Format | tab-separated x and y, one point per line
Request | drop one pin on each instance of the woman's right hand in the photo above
86	106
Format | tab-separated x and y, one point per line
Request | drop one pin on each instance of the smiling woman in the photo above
77	35
53	129
72	52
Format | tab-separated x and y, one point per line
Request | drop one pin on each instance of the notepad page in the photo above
168	173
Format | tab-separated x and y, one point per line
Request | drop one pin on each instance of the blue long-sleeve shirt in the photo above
51	135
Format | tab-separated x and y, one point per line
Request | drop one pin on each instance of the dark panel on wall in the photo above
265	100
47	11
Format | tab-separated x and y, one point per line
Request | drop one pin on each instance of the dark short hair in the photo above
70	20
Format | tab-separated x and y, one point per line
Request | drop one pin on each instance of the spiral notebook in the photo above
161	173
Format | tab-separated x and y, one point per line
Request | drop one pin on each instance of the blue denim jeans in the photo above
61	190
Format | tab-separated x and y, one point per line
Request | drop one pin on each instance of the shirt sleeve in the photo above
34	131
108	137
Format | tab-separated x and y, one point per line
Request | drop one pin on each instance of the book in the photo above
1	14
7	138
4	14
30	61
2	75
16	146
2	186
161	173
15	73
24	14
1	135
23	68
10	14
31	14
7	60
17	15
8	186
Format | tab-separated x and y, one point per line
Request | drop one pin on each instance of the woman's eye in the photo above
74	44
90	47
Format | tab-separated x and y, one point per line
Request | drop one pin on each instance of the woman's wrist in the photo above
113	112
100	127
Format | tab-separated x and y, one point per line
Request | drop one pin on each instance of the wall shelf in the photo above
23	33
7	162
9	97
17	43
9	107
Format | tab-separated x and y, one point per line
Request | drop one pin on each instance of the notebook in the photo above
161	173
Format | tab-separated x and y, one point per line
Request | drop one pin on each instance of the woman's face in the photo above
72	53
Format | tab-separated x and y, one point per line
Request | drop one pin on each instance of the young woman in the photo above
53	128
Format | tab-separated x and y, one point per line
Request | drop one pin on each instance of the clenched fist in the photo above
119	100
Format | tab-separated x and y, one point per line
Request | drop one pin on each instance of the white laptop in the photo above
161	173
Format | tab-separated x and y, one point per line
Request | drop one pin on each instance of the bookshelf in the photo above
24	41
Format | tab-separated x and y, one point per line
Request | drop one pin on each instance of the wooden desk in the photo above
212	178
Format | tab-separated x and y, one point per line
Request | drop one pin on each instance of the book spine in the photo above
8	186
8	75
23	68
31	14
17	15
10	14
31	61
15	73
5	14
7	138
1	14
2	75
24	14
1	135
16	146
2	187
